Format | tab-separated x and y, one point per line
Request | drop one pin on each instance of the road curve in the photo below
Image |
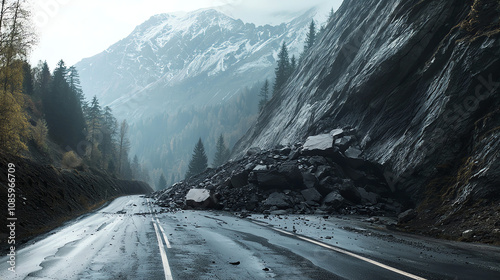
133	239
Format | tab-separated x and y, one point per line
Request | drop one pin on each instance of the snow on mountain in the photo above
196	59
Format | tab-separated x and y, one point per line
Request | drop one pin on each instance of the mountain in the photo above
179	77
175	61
419	82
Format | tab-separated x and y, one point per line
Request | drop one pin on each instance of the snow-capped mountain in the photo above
199	58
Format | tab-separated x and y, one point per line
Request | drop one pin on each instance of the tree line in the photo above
286	65
39	107
199	160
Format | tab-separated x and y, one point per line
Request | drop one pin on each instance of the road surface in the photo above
131	238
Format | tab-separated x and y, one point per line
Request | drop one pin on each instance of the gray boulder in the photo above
334	200
318	145
280	200
368	196
200	198
311	195
309	180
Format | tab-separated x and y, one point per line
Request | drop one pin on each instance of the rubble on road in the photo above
327	174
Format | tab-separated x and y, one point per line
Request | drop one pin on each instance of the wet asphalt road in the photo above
132	239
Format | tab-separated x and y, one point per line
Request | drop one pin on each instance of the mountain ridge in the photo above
166	56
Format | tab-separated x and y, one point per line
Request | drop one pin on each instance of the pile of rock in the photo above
326	174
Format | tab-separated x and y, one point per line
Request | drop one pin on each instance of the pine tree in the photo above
162	183
126	171
311	37
136	168
28	87
199	161
222	152
293	64
123	146
331	15
109	131
282	71
74	85
43	79
63	112
94	128
264	95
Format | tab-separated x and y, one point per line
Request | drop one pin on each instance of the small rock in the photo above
260	167
343	142
467	234
352	153
337	133
235	263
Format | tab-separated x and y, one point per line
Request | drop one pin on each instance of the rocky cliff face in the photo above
419	81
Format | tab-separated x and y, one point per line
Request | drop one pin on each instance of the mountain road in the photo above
132	238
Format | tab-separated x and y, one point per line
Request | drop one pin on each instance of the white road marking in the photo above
163	232
164	259
163	253
342	251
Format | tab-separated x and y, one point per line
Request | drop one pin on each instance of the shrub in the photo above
71	160
39	133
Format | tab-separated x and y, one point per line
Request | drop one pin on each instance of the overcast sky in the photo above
76	29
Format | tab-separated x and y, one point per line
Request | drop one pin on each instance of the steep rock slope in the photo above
419	80
46	196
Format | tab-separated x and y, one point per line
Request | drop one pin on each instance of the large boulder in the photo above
309	180
291	172
200	198
311	195
285	176
280	200
321	145
334	200
369	197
